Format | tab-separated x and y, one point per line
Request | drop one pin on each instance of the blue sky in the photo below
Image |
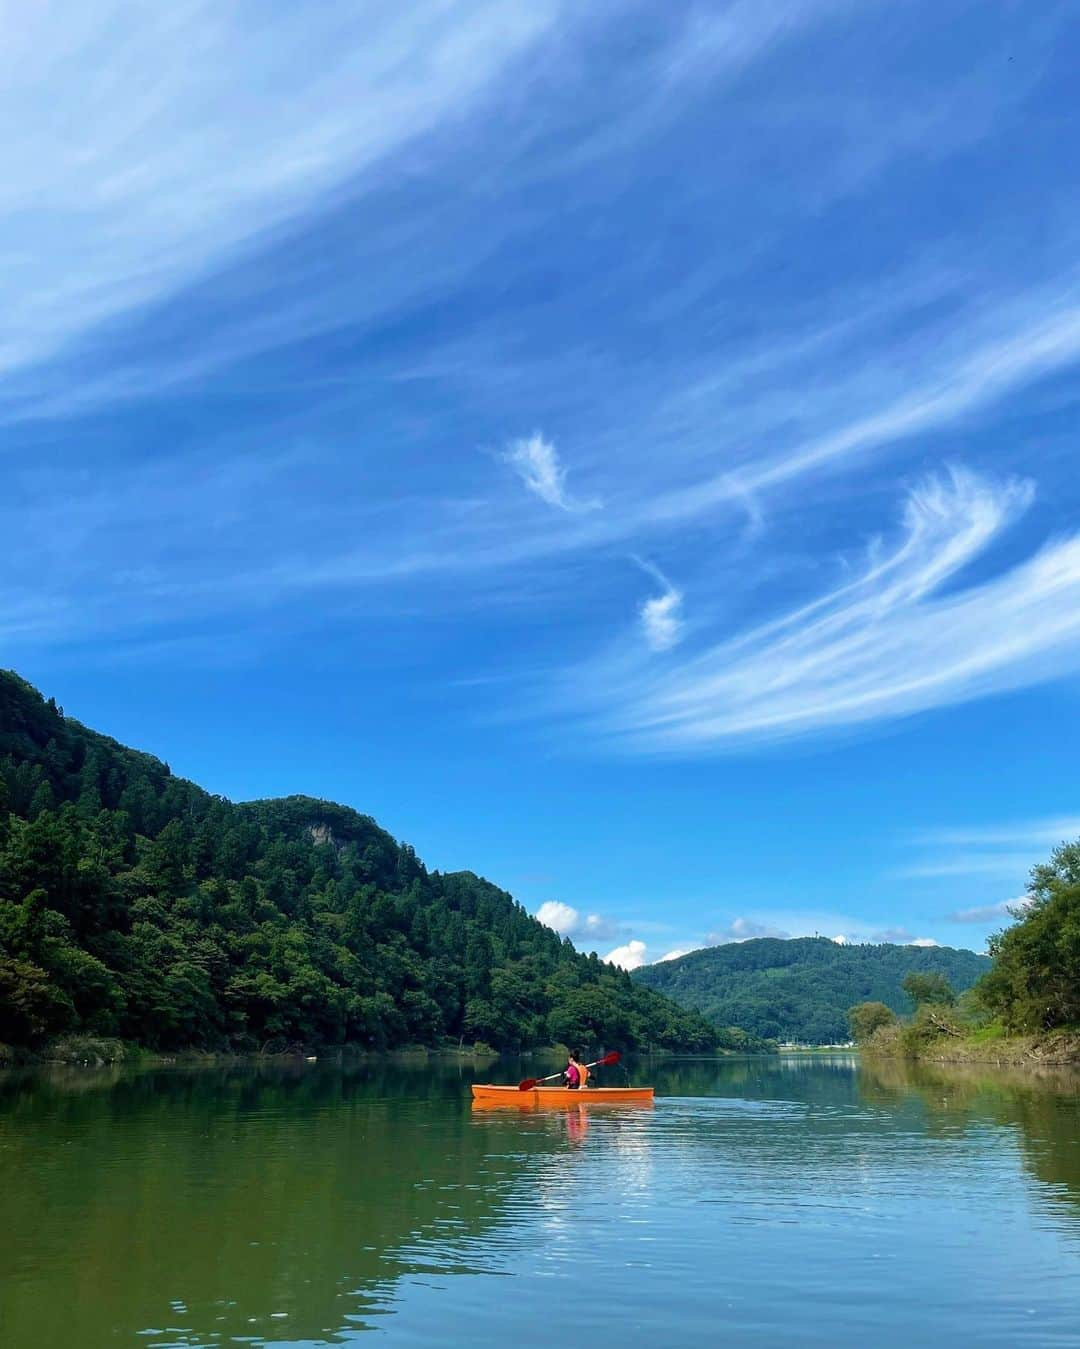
631	450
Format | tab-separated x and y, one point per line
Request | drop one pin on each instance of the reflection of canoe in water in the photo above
485	1095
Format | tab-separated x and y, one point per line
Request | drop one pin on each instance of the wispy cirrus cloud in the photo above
199	128
661	615
536	462
973	367
1025	833
1003	911
187	169
969	864
1008	850
904	636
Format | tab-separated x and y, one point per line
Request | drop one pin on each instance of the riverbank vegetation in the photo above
1025	1009
137	908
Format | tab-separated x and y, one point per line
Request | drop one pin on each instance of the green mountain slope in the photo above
801	988
134	904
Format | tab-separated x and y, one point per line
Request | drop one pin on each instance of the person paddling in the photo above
577	1074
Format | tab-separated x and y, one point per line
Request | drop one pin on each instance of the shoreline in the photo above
1057	1048
102	1052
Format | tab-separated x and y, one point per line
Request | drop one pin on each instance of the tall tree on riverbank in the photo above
1035	982
867	1017
929	987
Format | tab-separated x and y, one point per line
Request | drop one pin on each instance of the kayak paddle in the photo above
528	1083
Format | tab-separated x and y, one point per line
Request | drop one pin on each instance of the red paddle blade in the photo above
528	1083
613	1057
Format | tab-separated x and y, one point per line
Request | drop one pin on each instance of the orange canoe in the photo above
512	1096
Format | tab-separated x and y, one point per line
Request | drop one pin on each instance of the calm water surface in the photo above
759	1203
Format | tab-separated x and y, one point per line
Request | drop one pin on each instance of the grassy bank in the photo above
943	1041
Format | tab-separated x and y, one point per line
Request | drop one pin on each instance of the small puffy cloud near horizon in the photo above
744	929
630	956
570	922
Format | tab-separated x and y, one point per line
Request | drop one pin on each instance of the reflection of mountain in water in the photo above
206	1204
865	1120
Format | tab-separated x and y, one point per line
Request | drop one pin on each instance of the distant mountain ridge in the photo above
800	988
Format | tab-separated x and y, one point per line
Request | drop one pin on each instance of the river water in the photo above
759	1202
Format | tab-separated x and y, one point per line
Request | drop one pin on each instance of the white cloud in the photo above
202	127
744	929
845	930
661	617
884	645
1037	346
1026	833
190	162
562	917
628	957
895	936
989	913
1009	849
969	864
661	621
570	922
537	463
673	955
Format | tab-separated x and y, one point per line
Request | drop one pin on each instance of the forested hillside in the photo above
134	904
801	988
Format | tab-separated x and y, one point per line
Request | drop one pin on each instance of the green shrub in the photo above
932	1023
86	1050
886	1042
867	1017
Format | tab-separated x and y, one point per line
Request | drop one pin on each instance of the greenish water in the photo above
759	1202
